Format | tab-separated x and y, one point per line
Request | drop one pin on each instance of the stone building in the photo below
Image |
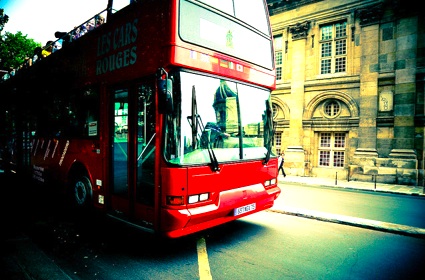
349	101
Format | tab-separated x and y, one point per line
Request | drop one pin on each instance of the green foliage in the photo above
3	19
14	49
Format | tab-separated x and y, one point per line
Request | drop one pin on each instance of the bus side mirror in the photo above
165	96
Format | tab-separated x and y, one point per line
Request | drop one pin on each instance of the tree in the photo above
3	20
14	49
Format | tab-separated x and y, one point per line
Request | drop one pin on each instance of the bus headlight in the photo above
270	182
198	197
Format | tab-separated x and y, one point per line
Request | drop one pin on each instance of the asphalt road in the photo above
39	243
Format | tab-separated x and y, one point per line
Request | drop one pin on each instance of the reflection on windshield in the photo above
250	11
229	119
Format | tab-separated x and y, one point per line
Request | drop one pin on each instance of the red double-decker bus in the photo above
160	116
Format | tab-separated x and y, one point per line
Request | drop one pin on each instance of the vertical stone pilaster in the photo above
299	36
368	92
405	101
297	92
294	153
405	84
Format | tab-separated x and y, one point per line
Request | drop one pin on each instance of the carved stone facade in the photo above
299	30
349	101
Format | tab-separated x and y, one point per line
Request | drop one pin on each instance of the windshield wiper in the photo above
195	121
214	161
268	131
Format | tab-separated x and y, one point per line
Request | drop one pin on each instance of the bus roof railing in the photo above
63	38
69	36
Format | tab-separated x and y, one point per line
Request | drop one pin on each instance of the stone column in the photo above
294	154
405	84
369	67
404	153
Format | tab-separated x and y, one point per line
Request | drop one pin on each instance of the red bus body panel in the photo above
227	193
52	160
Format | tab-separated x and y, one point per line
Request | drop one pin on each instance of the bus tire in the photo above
81	192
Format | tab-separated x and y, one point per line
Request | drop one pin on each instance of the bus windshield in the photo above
220	116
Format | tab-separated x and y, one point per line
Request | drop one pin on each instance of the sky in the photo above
40	19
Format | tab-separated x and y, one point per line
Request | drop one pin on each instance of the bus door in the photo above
133	152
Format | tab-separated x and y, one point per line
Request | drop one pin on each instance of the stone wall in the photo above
380	94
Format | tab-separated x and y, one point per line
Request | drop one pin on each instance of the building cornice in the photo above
279	6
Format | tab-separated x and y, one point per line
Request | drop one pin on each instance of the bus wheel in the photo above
81	192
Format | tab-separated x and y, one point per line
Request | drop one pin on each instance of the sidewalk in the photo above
367	186
353	221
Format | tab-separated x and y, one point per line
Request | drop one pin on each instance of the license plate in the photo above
244	209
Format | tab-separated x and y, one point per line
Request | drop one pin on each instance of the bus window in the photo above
205	27
238	9
120	150
75	115
82	114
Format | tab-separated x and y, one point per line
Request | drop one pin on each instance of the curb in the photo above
353	221
368	189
